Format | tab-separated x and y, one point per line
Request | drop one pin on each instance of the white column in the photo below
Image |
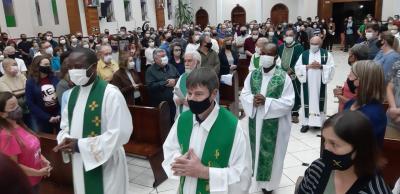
82	16
219	11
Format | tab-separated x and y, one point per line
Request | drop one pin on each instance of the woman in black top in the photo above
349	162
177	57
228	57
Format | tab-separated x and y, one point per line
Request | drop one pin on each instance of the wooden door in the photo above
325	7
160	18
238	15
92	20
202	18
74	19
279	14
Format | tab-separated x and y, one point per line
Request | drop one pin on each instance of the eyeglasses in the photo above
177	50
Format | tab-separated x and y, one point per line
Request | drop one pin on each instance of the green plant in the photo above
183	13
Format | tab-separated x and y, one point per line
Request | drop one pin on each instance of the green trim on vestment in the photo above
216	151
305	61
93	179
269	128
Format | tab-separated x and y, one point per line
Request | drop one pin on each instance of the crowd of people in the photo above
44	78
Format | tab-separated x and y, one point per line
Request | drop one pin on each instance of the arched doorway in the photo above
202	18
238	15
279	13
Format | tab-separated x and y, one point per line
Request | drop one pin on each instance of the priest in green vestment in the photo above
206	149
95	124
267	98
192	61
289	52
255	59
314	69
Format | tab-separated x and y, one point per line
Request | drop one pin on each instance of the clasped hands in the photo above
258	100
189	165
314	65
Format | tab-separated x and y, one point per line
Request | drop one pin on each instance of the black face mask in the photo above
91	40
169	39
114	48
209	45
79	37
338	162
15	114
5	39
179	35
11	56
23	39
107	32
351	85
199	107
44	69
215	34
379	44
243	33
228	47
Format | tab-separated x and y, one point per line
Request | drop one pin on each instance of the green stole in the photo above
216	151
182	87
290	55
324	60
269	129
256	61
93	179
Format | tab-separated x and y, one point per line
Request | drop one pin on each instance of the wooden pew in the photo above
142	73
60	180
391	152
229	95
243	70
144	94
150	129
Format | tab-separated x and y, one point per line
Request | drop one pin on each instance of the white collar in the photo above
270	73
210	120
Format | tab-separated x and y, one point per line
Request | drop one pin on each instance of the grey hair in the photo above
9	49
203	37
360	51
156	51
196	55
264	42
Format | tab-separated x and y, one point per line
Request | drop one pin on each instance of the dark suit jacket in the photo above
225	67
122	81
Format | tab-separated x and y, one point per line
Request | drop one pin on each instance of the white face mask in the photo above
267	61
164	60
314	48
78	76
85	46
255	37
131	65
289	40
394	32
107	58
271	33
1	57
369	35
258	50
62	41
49	50
74	40
151	44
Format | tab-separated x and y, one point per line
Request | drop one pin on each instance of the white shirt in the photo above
148	53
20	63
234	179
192	47
240	40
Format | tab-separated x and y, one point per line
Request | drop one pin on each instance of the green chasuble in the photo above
93	179
269	128
324	60
256	61
289	55
216	151
182	87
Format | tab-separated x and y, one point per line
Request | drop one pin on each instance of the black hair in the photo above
203	76
90	57
356	129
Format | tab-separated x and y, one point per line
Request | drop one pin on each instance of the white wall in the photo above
26	19
290	4
390	8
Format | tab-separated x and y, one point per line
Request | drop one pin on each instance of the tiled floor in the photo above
303	148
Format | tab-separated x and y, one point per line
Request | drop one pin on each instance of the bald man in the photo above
267	98
314	69
106	67
95	124
255	59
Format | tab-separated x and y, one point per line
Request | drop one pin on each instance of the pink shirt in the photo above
25	146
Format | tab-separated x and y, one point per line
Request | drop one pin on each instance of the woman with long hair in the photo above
19	143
